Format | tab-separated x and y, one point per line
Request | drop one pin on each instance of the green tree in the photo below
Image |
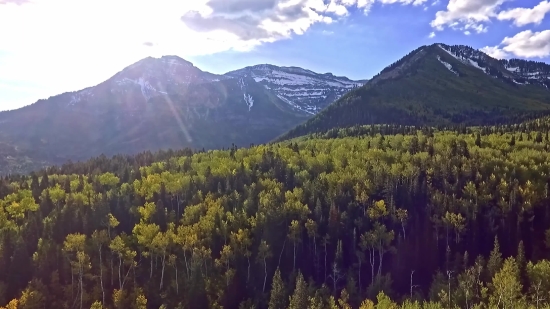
507	286
495	259
75	245
299	299
278	298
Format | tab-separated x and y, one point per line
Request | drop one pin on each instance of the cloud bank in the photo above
526	44
525	16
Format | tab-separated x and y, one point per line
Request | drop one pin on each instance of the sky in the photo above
48	47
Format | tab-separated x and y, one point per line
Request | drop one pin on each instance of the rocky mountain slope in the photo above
303	89
441	85
155	103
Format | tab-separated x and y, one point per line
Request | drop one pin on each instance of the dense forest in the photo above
365	217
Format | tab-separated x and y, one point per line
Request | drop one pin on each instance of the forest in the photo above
378	217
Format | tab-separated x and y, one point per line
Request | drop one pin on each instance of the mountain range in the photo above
161	103
302	89
167	102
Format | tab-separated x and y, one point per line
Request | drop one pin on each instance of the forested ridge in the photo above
420	89
366	217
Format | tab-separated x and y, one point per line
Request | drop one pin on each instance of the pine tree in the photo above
507	287
538	137
277	298
522	263
513	141
299	299
478	140
495	259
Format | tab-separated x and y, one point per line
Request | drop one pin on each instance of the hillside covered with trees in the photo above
440	85
365	217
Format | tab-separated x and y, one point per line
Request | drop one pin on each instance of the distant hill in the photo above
162	103
441	85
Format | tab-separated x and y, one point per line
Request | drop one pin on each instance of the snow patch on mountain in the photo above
450	53
512	69
518	71
532	70
247	97
172	61
292	79
302	89
476	65
291	103
248	100
147	90
472	60
81	95
447	65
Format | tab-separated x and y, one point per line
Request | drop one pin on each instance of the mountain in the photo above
303	89
441	85
155	103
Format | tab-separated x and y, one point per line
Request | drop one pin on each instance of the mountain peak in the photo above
515	71
159	63
303	89
441	84
173	59
150	77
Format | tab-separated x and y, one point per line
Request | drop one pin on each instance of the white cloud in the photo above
18	2
525	16
526	44
259	21
431	35
474	15
467	15
404	2
337	8
495	52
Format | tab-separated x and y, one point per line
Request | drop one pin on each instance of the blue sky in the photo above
66	48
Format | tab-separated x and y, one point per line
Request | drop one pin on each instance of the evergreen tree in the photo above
299	299
278	298
495	259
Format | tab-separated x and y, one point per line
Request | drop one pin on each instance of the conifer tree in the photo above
299	299
277	299
495	259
